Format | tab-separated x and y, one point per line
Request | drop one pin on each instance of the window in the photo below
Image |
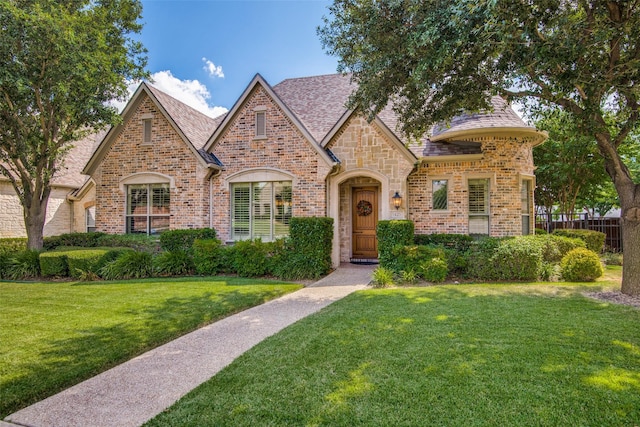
261	124
478	206
146	131
147	208
260	210
90	219
439	194
527	207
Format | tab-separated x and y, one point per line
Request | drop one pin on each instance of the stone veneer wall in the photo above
167	154
58	220
284	148
506	161
79	210
362	147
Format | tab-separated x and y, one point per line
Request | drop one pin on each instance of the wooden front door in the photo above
365	219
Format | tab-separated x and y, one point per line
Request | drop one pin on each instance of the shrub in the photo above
410	277
392	233
518	258
174	263
250	258
434	270
86	264
13	244
382	277
207	256
83	240
6	259
129	265
411	257
612	258
480	256
306	254
23	265
540	232
227	257
54	264
458	242
182	240
593	239
138	242
581	265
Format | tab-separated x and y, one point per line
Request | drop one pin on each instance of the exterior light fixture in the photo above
397	200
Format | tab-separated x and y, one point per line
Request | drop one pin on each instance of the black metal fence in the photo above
610	226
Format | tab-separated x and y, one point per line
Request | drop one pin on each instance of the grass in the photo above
54	335
473	355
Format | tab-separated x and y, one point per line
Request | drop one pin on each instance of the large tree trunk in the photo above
34	219
631	246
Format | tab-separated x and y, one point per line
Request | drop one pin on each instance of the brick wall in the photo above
505	161
284	149
168	154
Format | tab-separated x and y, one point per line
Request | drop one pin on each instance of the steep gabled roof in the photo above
193	126
258	80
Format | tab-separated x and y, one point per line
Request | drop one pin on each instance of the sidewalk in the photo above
136	391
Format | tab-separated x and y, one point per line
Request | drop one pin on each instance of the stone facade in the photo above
284	154
167	155
506	162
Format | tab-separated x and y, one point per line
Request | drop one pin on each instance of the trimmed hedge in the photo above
458	242
593	239
207	256
182	240
19	265
77	262
174	263
392	233
129	265
84	240
306	253
581	265
518	258
139	242
411	258
13	244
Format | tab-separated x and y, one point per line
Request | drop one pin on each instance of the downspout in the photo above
214	171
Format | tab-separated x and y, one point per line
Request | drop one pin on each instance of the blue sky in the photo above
206	52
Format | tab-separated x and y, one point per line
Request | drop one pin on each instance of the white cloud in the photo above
213	69
191	92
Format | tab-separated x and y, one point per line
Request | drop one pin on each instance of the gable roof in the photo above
192	126
258	80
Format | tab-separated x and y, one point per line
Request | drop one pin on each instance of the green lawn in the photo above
455	355
53	335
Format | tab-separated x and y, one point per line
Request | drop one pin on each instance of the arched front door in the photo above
364	221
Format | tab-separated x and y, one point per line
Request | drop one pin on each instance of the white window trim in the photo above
531	214
488	179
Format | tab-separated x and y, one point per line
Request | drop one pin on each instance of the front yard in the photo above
53	335
472	355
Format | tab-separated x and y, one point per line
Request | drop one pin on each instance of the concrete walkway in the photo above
136	391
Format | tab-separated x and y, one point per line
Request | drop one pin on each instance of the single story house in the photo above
293	149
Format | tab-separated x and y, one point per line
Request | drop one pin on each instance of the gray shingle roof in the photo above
70	173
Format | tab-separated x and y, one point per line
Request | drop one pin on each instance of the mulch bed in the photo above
615	298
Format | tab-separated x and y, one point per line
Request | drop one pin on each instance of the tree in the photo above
433	59
61	61
568	169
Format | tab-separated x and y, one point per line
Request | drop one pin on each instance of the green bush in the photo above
518	258
182	240
13	244
409	277
382	277
227	257
174	263
23	265
250	258
129	265
540	232
6	259
434	270
392	233
480	257
54	264
593	239
87	263
207	256
137	242
612	258
457	242
581	265
83	240
306	254
411	257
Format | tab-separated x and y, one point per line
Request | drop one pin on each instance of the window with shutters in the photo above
439	194
527	206
261	124
260	210
478	206
147	208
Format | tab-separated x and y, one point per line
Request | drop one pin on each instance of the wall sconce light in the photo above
397	200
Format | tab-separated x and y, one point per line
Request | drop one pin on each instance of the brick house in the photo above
294	150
